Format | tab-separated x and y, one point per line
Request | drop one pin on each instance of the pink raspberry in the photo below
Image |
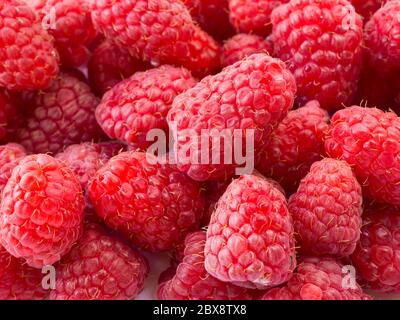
369	140
42	211
243	45
326	210
10	155
317	279
376	257
250	96
135	106
321	41
191	280
100	267
151	203
295	145
157	31
367	7
250	240
60	116
28	58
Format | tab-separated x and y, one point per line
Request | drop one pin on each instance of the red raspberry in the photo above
73	29
243	45
19	281
253	16
250	239
253	94
158	31
212	16
109	65
42	210
381	38
321	43
326	210
367	7
191	280
153	204
317	279
295	145
377	254
141	103
100	267
62	115
369	140
28	58
10	155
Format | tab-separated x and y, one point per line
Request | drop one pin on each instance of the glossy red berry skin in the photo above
135	106
367	7
42	211
326	210
250	240
321	42
317	279
368	139
157	31
10	155
376	257
295	144
249	97
29	59
151	203
191	281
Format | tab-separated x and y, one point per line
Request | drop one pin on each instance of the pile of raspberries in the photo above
84	83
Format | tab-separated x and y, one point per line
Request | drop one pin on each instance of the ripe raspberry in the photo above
369	140
317	279
321	43
243	45
250	239
381	38
250	96
73	29
19	281
326	210
295	145
100	267
62	115
367	7
158	31
42	211
28	58
141	103
191	280
212	16
253	16
10	155
109	65
152	204
376	257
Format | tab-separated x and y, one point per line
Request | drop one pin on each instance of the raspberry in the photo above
28	58
317	279
250	96
367	7
19	281
100	267
152	204
42	211
326	210
381	38
62	115
369	140
250	239
141	103
158	31
109	65
295	145
192	282
243	45
321	43
10	155
214	191
253	16
376	257
73	29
